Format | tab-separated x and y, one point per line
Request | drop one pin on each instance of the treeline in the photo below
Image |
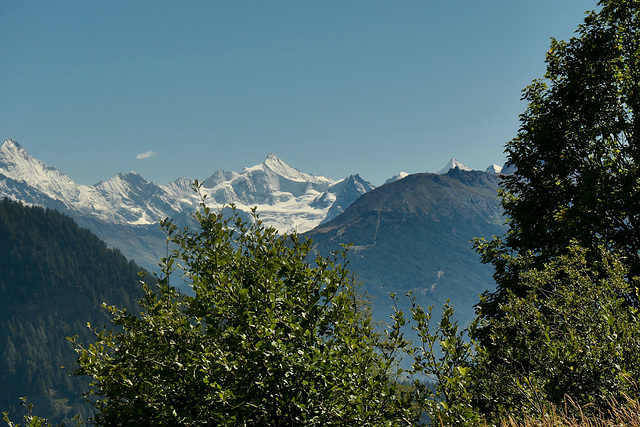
54	278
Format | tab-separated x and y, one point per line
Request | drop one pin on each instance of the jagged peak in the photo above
122	177
351	181
130	174
11	148
272	157
281	167
14	156
11	143
452	164
357	179
278	166
494	169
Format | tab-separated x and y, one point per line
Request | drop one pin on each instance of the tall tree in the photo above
577	153
576	185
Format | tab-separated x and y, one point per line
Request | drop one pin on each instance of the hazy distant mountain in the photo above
345	193
495	169
414	235
396	177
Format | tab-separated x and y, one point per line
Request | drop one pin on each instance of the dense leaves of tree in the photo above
271	336
562	320
577	154
54	279
574	335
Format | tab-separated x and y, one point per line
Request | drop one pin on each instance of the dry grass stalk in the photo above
626	415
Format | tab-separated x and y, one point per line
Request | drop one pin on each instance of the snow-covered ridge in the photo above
283	195
396	177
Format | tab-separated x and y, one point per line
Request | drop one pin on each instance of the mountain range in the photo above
411	234
286	198
124	210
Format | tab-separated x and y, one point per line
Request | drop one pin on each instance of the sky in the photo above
174	89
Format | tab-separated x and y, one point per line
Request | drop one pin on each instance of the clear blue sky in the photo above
332	87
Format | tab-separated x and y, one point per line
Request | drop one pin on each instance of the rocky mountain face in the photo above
124	210
414	235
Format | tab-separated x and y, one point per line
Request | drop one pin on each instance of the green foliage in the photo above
31	420
578	147
444	356
574	335
271	336
562	322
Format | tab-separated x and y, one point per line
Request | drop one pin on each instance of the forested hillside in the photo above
54	276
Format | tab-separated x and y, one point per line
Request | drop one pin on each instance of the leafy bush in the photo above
574	335
271	336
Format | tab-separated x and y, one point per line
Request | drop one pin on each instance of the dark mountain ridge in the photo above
415	235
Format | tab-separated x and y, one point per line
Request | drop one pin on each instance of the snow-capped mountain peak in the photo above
269	183
10	144
396	177
342	194
124	183
453	163
281	168
494	169
17	164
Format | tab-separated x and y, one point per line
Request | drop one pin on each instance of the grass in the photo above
625	415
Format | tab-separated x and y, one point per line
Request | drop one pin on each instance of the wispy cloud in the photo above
146	155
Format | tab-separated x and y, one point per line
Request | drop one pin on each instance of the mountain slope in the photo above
414	235
55	276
